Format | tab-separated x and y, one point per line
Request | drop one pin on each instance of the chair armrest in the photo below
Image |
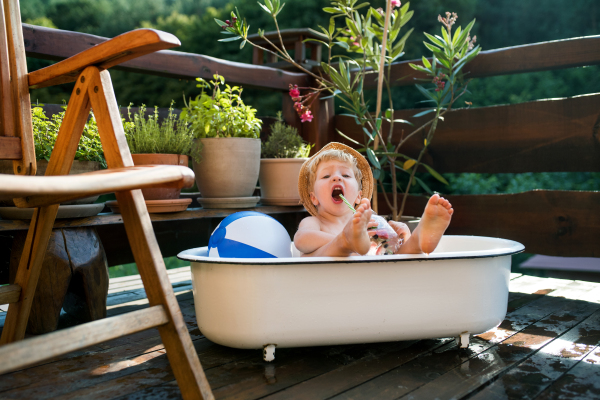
104	55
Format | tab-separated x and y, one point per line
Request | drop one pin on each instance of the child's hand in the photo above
401	229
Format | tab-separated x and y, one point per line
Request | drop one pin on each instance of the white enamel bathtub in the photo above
458	290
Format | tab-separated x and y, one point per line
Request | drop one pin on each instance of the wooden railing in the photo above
539	136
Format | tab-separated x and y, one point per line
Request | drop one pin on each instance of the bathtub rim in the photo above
512	247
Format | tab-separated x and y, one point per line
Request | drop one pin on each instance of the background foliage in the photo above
500	23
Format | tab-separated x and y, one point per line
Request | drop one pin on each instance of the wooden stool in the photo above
74	277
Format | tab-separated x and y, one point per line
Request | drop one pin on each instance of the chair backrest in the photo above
16	132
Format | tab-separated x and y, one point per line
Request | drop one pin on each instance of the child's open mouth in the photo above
335	194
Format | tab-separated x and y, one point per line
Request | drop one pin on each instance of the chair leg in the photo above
175	336
29	272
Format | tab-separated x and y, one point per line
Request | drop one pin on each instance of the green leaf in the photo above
424	113
230	39
269	5
435	40
423	185
265	8
373	158
425	92
435	174
221	23
331	26
426	63
376	174
445	36
316	40
280	8
243	44
432	47
332	10
418	68
343	44
456	35
347	137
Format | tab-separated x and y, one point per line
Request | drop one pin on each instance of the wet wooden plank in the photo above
135	367
469	376
354	373
535	374
435	366
581	382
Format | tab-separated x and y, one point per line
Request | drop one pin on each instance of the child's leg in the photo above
354	237
432	226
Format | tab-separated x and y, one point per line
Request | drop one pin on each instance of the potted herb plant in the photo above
166	142
283	154
226	150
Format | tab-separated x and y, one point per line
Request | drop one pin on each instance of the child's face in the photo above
333	178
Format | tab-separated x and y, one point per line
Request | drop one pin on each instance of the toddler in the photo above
333	229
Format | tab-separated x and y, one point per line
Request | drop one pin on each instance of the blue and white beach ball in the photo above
249	234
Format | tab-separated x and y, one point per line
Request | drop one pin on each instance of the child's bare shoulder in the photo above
310	223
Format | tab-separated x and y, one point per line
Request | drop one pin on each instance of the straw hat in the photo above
361	162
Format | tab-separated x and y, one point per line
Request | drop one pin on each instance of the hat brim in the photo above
361	162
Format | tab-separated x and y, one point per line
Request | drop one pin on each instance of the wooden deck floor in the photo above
547	348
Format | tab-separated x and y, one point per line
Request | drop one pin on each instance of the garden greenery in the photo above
220	112
45	131
373	39
284	142
145	134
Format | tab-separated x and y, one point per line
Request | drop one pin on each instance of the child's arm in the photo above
310	237
353	238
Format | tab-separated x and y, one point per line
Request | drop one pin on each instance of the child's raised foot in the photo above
434	222
355	231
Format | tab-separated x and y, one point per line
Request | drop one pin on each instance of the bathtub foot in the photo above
462	340
269	352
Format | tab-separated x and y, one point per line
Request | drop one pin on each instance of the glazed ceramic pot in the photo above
228	167
160	159
279	181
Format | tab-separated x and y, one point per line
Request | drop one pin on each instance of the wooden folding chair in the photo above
93	89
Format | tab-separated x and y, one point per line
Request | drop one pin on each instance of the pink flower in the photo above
306	117
396	3
294	93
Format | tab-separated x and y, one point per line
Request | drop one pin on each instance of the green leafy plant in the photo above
45	131
221	112
373	40
284	142
145	134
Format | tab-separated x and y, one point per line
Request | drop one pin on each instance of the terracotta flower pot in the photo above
228	167
279	181
162	159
